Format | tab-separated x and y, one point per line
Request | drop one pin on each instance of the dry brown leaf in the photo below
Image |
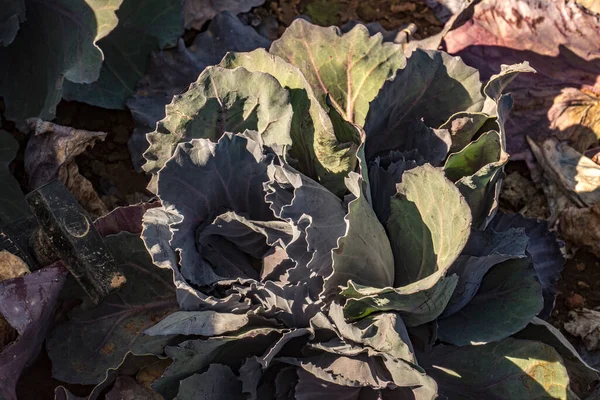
50	154
585	324
561	41
581	226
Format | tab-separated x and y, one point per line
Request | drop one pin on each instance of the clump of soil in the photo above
391	14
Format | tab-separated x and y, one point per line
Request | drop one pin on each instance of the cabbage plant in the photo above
329	217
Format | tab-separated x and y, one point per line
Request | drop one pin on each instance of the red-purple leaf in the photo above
27	304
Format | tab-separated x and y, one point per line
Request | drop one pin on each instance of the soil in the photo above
276	15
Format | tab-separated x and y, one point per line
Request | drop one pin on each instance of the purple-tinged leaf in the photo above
124	219
511	285
27	304
50	154
544	249
202	180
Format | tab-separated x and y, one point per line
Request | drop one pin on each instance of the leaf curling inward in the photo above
429	78
428	226
222	100
350	67
363	254
319	150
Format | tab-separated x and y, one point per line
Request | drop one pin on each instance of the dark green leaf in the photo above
509	297
510	369
56	41
97	337
144	26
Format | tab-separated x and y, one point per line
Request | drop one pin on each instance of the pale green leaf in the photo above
485	150
428	226
417	303
350	68
314	144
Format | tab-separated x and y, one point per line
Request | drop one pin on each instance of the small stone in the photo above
575	301
580	267
583	285
11	266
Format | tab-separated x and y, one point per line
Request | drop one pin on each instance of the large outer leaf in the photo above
199	323
56	41
418	303
350	68
222	100
12	200
97	337
429	224
544	250
315	147
582	376
217	383
484	250
510	369
363	254
27	304
143	27
429	79
511	285
193	356
197	12
205	178
12	14
171	71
